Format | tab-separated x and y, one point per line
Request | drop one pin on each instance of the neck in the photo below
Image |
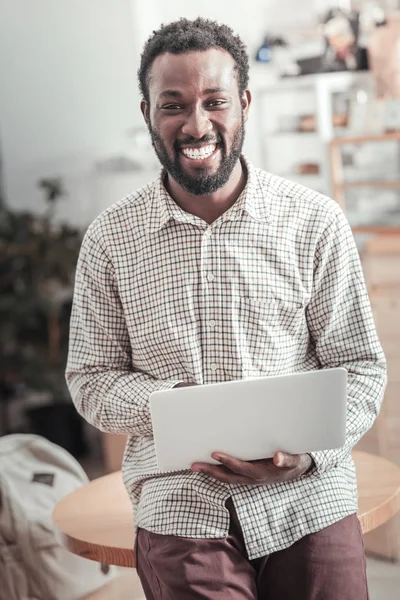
209	208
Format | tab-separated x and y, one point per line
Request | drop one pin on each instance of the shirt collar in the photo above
253	200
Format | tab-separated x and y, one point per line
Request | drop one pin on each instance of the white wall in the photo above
69	92
249	18
68	97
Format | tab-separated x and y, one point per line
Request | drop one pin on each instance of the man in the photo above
220	271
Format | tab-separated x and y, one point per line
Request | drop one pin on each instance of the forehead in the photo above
192	71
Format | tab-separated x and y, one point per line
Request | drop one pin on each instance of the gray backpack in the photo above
34	475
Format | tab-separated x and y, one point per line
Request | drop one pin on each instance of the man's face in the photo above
196	118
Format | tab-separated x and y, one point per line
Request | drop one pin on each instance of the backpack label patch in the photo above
45	478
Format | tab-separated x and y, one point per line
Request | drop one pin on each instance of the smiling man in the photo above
220	271
197	128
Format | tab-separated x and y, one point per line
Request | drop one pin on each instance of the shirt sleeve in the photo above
105	389
342	329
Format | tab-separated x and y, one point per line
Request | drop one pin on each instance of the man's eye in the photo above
172	107
216	103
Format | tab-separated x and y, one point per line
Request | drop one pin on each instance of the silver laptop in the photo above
250	419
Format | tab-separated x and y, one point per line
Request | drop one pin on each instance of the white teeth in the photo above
199	153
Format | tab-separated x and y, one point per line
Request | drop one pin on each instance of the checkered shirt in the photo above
273	286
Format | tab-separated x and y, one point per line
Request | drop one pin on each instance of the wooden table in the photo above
96	520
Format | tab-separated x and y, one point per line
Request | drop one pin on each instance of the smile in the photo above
199	153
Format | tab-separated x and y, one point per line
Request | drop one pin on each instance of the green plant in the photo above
37	267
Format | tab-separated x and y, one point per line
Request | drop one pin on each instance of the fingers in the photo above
282	467
283	460
240	467
221	473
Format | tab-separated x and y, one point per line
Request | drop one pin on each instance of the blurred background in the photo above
325	78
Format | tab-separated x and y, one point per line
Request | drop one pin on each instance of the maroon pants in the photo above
328	565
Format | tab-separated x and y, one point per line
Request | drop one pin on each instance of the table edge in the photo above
125	557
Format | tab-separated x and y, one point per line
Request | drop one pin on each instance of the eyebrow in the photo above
178	94
174	93
214	90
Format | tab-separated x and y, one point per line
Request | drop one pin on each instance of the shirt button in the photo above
213	367
211	277
212	323
208	232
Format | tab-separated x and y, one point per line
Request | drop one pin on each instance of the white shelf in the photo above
280	134
302	147
269	81
301	176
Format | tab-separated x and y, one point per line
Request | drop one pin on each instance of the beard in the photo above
203	183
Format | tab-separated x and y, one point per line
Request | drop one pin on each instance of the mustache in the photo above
209	138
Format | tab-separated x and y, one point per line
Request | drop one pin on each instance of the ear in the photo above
145	108
246	101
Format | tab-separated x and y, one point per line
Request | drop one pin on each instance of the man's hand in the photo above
282	467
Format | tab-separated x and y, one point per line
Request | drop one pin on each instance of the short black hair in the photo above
184	36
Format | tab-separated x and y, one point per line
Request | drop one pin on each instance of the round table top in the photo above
96	520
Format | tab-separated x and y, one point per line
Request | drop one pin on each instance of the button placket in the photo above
210	296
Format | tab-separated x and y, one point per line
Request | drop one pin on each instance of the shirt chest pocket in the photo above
268	333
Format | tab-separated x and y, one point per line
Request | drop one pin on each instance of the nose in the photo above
197	123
